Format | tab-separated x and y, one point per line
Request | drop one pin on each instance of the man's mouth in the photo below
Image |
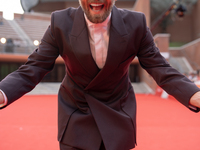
96	7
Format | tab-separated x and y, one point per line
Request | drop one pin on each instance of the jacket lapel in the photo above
117	46
80	43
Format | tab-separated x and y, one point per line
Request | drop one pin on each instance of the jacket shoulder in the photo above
133	20
131	15
61	15
67	11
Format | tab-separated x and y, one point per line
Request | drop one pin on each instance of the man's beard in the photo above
97	18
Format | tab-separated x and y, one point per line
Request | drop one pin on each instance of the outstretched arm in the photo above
168	78
39	63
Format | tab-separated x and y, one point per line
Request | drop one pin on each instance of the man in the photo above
96	102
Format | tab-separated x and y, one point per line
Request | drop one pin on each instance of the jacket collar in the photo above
116	49
80	43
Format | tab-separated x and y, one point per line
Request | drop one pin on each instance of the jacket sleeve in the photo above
39	63
173	82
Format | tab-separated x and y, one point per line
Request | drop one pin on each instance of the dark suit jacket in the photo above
93	104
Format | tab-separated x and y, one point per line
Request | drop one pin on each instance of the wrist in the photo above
2	100
195	100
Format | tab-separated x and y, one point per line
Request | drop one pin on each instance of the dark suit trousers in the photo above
67	147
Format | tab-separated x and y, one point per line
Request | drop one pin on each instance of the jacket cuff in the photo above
193	108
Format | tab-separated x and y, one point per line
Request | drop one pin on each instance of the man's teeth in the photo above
95	5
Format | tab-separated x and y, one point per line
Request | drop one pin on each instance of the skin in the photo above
1	98
195	99
97	10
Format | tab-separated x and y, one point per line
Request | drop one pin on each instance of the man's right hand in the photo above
1	98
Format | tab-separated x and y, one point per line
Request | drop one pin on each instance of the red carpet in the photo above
163	124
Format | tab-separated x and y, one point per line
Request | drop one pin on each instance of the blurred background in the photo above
175	25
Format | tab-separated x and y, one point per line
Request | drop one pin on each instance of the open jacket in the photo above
97	105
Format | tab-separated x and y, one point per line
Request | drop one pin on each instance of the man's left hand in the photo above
195	100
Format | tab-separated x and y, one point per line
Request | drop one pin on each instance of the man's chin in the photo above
95	18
